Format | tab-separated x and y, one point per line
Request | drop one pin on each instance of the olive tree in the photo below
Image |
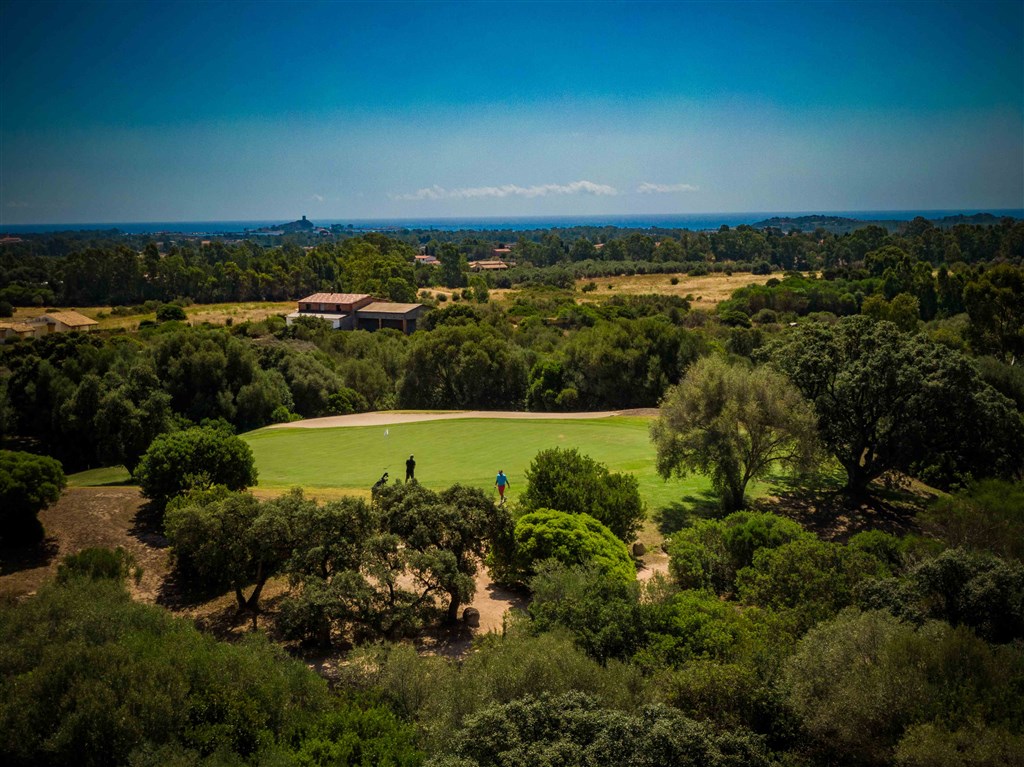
889	401
734	424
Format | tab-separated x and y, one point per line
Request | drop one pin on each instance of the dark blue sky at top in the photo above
122	111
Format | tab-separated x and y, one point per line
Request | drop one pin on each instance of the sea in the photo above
691	221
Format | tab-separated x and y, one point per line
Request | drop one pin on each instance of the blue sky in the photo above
141	111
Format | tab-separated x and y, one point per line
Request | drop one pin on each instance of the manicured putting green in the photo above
467	451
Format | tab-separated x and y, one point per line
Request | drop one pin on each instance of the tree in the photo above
572	539
577	484
28	484
194	458
889	401
233	539
445	535
995	305
453	266
734	424
170	312
459	366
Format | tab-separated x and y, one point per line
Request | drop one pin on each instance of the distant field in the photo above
351	459
707	291
216	314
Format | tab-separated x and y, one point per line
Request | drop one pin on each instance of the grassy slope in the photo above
467	451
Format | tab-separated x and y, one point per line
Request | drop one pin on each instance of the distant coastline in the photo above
692	221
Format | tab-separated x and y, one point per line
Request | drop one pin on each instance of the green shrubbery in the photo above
572	539
573	483
28	484
90	678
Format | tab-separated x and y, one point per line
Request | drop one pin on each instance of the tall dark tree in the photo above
886	400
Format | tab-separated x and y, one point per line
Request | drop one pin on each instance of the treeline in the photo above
100	272
100	399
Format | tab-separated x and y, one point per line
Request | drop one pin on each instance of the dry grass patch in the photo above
707	291
215	314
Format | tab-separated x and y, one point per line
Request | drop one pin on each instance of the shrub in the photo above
859	681
572	730
577	484
988	516
28	484
90	678
98	563
602	612
572	539
170	312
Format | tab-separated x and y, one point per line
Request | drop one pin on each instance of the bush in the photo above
988	516
859	681
90	678
602	612
577	484
6	309
98	563
170	313
572	539
194	458
572	730
28	484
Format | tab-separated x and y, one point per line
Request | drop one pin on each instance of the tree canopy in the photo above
734	424
28	484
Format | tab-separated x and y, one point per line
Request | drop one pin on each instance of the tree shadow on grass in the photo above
820	504
29	556
683	513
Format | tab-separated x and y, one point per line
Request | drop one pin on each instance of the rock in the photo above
471	616
639	549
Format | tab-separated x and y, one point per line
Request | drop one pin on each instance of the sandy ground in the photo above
390	417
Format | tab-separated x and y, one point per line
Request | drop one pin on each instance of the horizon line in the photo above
450	217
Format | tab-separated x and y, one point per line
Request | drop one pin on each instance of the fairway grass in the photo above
465	451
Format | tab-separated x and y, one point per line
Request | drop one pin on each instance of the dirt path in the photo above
390	417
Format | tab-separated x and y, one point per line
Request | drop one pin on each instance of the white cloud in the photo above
507	190
648	188
317	198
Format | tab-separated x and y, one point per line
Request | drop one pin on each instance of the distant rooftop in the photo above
333	298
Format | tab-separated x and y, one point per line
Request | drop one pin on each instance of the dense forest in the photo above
871	359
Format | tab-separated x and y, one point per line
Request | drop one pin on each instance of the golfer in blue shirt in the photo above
501	482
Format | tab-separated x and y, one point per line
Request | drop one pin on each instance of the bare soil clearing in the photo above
85	517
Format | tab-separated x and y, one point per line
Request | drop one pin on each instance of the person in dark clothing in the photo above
410	469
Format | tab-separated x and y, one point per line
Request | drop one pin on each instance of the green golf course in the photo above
467	451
